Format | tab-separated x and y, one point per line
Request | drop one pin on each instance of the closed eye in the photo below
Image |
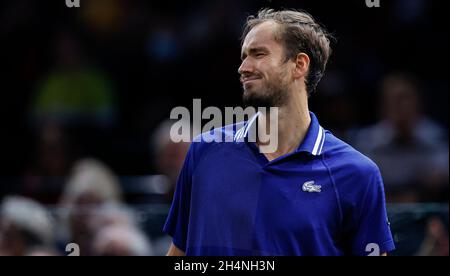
257	52
258	55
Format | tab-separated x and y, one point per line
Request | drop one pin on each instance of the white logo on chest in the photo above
309	187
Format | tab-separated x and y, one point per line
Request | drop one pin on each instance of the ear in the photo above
301	65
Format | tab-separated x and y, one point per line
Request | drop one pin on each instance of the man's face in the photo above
264	73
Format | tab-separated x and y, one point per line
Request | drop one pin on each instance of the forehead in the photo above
262	35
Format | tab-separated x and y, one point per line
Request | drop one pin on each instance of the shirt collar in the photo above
312	143
314	138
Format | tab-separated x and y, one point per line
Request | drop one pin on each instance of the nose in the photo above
245	67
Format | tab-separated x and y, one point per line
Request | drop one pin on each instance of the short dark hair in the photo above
299	33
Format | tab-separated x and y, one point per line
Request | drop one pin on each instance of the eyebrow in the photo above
253	51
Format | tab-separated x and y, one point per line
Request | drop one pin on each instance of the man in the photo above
410	148
314	195
25	227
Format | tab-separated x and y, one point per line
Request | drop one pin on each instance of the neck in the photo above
293	123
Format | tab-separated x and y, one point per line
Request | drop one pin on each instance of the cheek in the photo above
267	72
277	75
265	65
272	71
284	73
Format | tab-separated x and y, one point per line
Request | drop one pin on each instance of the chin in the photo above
253	89
250	94
254	99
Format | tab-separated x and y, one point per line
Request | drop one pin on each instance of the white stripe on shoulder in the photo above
323	141
318	141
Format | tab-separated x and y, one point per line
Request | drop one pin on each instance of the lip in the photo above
249	79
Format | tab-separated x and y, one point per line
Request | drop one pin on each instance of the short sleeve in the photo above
178	218
372	233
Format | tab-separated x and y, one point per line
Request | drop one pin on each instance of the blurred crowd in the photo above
86	95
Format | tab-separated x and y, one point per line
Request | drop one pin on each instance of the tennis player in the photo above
314	195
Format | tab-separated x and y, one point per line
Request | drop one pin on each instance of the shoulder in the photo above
355	175
343	158
207	142
219	135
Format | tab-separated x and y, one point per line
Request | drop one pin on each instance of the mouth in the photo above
249	79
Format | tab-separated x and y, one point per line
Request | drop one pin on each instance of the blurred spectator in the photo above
411	149
96	219
116	233
42	251
436	241
53	157
120	240
24	225
111	214
74	93
91	186
91	182
168	156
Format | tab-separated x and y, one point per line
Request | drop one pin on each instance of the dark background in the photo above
199	57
